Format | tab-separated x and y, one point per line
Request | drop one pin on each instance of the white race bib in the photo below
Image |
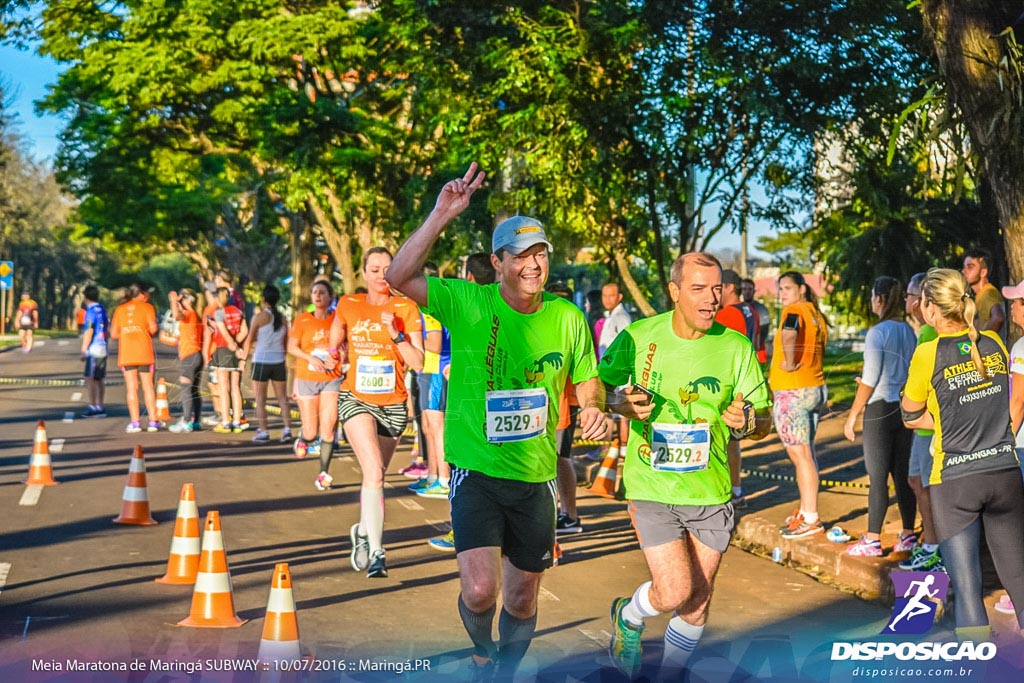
680	448
26	320
516	415
319	354
375	376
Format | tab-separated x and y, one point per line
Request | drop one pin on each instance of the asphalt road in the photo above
78	589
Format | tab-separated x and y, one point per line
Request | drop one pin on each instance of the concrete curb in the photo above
865	576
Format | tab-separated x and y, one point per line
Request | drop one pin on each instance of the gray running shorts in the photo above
308	388
659	523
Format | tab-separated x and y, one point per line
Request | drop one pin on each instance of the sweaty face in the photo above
524	273
610	297
789	291
697	296
320	296
373	273
972	271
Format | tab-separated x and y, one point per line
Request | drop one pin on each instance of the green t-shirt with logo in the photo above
694	381
508	370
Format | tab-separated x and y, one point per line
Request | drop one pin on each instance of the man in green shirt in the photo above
925	556
513	347
700	382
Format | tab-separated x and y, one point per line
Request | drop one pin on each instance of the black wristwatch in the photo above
399	339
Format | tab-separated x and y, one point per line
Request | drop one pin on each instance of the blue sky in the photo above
27	77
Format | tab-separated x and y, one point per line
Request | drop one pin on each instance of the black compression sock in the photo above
515	636
479	626
326	451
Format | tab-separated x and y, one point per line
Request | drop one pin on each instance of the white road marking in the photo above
56	445
63	342
547	595
5	569
31	495
602	638
442	525
38	343
409	504
68	418
77	396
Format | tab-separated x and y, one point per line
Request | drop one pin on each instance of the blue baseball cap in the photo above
517	234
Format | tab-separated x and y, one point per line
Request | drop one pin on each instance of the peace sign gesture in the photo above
454	196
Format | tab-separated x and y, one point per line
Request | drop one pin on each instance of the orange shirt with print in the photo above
369	340
190	329
811	335
132	322
312	335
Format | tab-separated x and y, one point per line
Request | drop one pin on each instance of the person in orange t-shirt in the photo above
382	334
190	359
133	325
317	376
797	379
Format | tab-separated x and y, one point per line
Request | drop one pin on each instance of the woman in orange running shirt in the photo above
190	359
382	334
317	378
133	325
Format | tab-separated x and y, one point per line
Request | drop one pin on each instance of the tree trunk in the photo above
985	83
302	246
634	289
338	242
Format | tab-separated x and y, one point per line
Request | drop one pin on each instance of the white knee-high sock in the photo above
640	608
680	640
371	516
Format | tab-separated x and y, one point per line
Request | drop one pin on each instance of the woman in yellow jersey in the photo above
382	335
317	377
797	379
959	384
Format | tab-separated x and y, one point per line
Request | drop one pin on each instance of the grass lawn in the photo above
840	369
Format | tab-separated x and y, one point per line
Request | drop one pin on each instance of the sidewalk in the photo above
773	496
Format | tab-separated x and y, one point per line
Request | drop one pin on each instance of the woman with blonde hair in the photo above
960	385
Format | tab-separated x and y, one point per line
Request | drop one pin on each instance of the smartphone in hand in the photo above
645	391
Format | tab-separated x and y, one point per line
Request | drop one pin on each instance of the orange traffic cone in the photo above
280	628
39	470
212	603
135	500
604	482
183	562
556	555
163	408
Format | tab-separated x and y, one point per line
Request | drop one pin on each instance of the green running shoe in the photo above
625	648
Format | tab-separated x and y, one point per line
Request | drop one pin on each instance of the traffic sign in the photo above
6	274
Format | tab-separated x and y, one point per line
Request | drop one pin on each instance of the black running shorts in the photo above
516	516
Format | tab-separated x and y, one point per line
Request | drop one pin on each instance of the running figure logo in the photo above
914	612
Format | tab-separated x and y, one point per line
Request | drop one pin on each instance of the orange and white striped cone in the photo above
183	561
607	475
163	408
135	500
280	628
212	603
556	555
40	472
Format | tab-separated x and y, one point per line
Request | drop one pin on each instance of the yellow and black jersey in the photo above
971	412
